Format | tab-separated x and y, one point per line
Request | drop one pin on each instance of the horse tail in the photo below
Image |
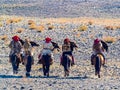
97	64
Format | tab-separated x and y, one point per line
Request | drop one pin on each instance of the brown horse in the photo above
28	61
46	61
98	61
15	60
66	63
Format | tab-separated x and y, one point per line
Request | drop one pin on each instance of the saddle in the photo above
100	55
19	58
42	61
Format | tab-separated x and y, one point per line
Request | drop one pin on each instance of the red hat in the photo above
15	38
47	40
67	40
96	41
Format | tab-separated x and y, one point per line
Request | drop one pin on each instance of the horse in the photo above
66	63
67	59
28	61
15	60
47	60
98	61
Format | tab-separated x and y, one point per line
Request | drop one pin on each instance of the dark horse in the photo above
15	61
67	59
66	63
98	61
28	61
46	60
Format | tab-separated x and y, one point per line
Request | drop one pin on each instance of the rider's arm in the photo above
10	45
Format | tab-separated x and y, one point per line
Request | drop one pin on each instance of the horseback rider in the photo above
28	49
15	46
67	48
47	48
97	48
27	46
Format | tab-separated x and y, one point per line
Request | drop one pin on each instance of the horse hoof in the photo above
98	76
47	74
15	72
44	74
95	73
27	74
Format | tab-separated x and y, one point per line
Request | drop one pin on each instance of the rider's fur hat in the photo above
96	41
47	40
16	38
67	40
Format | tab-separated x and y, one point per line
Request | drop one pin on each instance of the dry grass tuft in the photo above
4	37
90	23
82	28
50	27
109	39
30	22
40	28
32	26
117	27
20	30
1	24
14	20
62	27
110	27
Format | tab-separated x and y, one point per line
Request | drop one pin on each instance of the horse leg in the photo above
68	65
47	66
98	75
97	66
47	70
28	66
66	71
44	69
13	61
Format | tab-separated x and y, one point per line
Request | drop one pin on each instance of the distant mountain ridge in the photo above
61	8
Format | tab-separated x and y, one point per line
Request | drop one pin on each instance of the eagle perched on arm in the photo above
31	42
105	46
73	45
55	45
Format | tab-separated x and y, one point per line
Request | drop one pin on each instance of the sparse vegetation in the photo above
1	24
13	20
20	30
109	39
90	22
30	22
32	26
82	28
50	27
4	37
40	28
110	27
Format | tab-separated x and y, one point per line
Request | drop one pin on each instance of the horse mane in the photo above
73	45
105	46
